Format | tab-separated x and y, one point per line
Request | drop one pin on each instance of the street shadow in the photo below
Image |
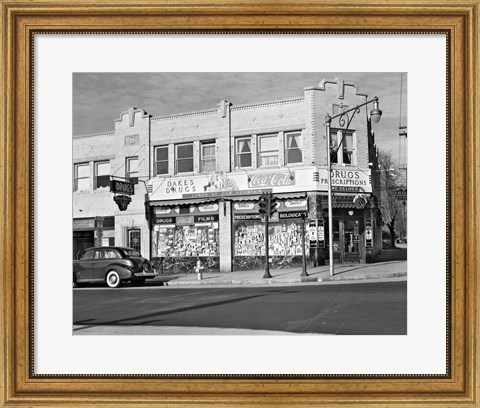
163	313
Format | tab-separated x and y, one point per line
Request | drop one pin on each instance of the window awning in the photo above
280	196
343	201
200	200
184	201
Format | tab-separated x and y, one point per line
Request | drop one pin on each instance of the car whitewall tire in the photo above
113	279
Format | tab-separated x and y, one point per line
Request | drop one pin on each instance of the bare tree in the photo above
390	181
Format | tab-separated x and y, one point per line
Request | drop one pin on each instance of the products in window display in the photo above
284	240
186	241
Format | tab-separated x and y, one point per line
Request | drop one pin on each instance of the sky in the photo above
99	98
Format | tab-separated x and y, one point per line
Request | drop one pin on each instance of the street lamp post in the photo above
343	117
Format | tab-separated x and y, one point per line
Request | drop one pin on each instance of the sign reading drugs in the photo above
122	187
348	180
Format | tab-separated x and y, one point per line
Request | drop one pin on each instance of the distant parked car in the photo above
112	265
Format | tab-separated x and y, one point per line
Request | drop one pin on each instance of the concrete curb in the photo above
273	281
364	277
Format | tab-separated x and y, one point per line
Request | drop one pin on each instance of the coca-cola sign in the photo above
279	179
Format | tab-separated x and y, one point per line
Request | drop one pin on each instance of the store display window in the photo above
186	240
285	239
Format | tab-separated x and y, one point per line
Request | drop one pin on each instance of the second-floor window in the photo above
207	159
243	152
102	174
344	151
131	167
347	147
161	160
184	158
268	150
82	177
293	147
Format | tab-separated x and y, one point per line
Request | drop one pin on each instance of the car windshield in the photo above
131	253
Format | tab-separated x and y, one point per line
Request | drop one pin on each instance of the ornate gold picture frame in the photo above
21	387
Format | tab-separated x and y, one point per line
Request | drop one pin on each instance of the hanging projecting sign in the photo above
360	201
122	187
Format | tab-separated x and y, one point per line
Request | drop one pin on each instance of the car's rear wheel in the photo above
113	279
137	282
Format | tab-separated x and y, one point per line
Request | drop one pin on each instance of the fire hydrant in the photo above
198	269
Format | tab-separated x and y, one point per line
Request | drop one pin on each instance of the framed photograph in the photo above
231	183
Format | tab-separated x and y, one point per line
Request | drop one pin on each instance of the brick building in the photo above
201	174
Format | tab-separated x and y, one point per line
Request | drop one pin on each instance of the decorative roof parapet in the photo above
264	104
110	133
182	115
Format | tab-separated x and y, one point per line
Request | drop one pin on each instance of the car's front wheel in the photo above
113	279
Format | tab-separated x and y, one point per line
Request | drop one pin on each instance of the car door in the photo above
84	266
99	265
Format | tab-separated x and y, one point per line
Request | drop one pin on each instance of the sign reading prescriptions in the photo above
349	180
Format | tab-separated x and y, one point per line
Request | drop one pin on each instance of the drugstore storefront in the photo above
184	232
215	219
285	233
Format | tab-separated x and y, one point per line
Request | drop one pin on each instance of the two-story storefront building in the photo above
201	174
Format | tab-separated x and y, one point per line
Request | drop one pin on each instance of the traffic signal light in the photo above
272	205
262	204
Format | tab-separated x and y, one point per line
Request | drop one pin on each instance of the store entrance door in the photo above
350	244
134	239
81	241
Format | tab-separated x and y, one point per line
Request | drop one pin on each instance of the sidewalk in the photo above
347	272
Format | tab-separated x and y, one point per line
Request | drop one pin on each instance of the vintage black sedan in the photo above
112	265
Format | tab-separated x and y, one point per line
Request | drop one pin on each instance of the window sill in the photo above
190	173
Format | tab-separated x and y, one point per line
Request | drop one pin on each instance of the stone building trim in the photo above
183	115
267	104
110	133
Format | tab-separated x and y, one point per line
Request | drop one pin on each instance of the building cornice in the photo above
265	104
110	133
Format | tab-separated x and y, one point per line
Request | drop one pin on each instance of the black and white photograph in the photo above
238	203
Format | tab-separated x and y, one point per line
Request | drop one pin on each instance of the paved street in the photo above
361	308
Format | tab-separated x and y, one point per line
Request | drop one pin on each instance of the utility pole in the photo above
304	259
